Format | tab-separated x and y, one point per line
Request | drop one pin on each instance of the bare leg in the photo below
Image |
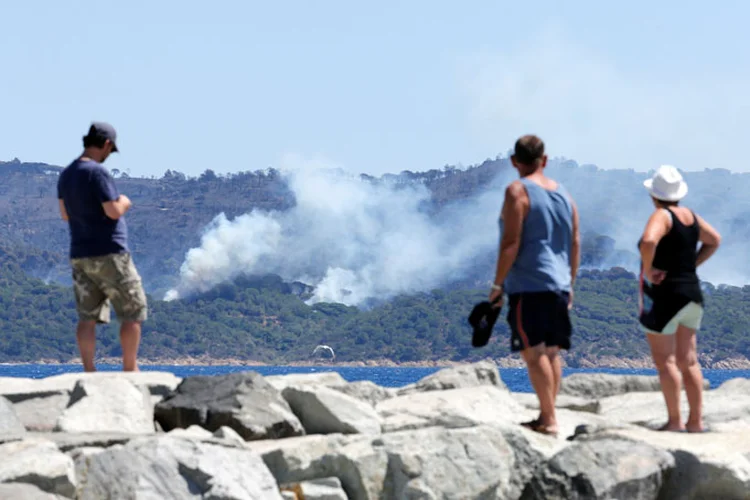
86	337
553	353
687	361
130	339
542	379
663	353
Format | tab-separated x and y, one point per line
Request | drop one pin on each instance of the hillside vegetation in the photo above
265	319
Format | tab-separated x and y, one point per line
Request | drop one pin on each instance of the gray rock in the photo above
326	411
451	408
459	377
17	389
41	413
228	434
12	437
82	461
603	469
194	431
317	379
39	403
367	391
107	404
68	441
531	401
709	466
9	421
360	462
165	467
22	491
327	488
20	389
721	408
736	386
602	385
243	401
39	463
476	462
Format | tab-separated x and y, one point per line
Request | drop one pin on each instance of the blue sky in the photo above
240	85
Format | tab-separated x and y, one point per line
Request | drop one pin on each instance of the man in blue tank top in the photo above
537	265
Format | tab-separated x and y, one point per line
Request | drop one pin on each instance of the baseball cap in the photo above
105	131
482	320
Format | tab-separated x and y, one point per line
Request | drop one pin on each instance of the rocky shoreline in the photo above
736	363
452	435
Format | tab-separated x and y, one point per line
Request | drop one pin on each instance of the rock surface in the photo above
459	377
367	391
709	465
23	491
327	488
451	435
475	462
529	400
326	379
39	463
167	467
603	469
450	408
245	402
602	385
41	413
9	421
326	411
358	461
107	404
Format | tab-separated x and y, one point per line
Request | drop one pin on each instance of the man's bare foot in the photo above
690	427
538	426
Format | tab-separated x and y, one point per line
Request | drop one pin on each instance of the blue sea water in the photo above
515	378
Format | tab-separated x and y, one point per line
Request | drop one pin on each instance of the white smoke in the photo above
351	239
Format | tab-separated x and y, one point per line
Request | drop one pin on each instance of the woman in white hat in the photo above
669	258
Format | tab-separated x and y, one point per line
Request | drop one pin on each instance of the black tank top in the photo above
676	254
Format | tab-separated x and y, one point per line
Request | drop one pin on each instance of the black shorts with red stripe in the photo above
539	317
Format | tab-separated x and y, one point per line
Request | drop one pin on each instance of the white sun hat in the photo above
667	184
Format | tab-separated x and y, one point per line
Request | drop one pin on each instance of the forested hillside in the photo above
264	319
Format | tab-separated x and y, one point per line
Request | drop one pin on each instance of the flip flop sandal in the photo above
663	428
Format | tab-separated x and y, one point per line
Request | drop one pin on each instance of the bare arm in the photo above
512	214
575	249
710	240
63	211
657	226
117	208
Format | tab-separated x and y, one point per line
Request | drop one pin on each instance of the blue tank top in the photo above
543	261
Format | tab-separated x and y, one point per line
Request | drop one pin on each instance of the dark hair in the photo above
529	149
90	141
666	203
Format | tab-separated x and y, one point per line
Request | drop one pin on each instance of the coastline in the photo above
737	363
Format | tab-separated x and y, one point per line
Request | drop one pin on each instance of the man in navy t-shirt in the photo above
103	271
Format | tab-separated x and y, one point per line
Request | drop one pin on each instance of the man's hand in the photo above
570	299
116	209
496	298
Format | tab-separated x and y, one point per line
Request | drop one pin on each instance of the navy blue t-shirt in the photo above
84	186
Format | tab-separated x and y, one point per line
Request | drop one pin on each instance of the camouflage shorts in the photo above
109	279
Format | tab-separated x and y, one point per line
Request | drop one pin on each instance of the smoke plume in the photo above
350	238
